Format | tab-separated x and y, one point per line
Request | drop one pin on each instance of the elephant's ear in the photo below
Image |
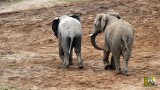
76	17
55	25
106	19
104	22
97	23
116	15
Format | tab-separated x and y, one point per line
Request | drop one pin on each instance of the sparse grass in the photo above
11	0
8	87
68	0
1	57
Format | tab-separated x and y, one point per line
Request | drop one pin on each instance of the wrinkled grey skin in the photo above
118	39
69	33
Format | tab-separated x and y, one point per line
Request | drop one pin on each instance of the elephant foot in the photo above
70	63
125	73
112	68
107	66
118	71
80	66
62	60
65	66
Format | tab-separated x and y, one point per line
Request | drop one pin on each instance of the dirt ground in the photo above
16	5
29	55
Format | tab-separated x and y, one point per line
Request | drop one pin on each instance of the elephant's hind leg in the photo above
70	58
61	53
77	46
117	64
80	64
105	57
116	52
126	59
66	60
65	46
112	63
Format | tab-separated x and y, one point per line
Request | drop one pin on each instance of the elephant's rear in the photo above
122	38
69	33
122	44
127	38
70	27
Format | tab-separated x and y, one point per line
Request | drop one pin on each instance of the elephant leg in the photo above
112	63
125	66
117	64
70	58
80	63
66	60
65	47
105	59
116	53
106	53
126	59
77	46
61	53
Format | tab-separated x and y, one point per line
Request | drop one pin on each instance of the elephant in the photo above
68	31
118	39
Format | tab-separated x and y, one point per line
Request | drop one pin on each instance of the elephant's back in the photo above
116	30
122	27
70	27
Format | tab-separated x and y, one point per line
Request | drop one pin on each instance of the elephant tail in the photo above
124	38
71	41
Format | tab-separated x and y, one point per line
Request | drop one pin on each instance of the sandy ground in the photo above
28	4
29	55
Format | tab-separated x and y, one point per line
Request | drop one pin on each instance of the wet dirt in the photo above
29	55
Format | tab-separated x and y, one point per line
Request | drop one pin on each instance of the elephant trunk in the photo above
93	38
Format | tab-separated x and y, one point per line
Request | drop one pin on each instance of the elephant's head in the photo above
100	23
55	25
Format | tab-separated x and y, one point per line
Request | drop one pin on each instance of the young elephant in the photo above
69	33
118	39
